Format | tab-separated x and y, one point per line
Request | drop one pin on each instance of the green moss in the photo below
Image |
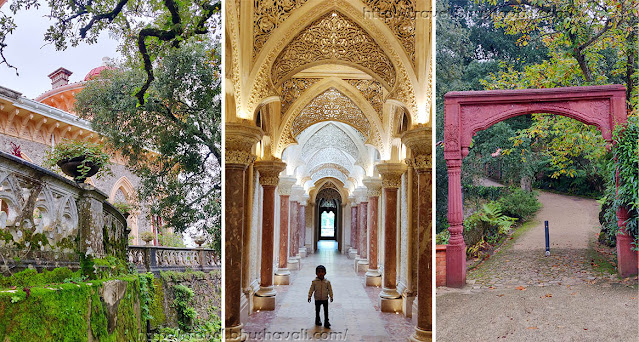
31	277
156	307
66	312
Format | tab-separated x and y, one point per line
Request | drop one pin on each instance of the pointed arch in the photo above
127	188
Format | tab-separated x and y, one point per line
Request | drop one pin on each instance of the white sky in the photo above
34	60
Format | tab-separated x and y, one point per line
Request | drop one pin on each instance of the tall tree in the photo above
145	28
172	141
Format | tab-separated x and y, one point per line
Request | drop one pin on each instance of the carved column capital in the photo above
374	186
270	171
391	174
239	141
285	185
419	140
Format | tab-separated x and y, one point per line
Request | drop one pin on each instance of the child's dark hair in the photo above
320	267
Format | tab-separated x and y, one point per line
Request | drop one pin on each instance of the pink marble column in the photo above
419	141
239	142
363	234
354	241
456	249
284	214
391	181
269	178
372	274
294	234
302	225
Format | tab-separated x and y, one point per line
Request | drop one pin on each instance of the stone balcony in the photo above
48	221
158	258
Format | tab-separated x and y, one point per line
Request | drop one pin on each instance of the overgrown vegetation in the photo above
498	44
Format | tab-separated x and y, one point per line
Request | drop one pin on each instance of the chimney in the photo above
59	78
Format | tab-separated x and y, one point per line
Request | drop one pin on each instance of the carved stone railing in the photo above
154	258
47	220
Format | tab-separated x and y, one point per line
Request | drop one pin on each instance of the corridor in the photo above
354	314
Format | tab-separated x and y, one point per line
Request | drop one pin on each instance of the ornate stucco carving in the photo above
329	154
267	16
331	105
329	173
338	167
292	89
391	174
333	37
239	142
269	171
330	136
373	91
402	23
328	194
419	140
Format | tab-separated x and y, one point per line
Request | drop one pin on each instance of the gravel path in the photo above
521	295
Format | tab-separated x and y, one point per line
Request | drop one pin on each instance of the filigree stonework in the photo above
331	105
333	37
292	89
267	16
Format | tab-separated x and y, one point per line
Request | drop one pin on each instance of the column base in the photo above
282	277
408	305
303	252
421	335
235	334
294	264
352	254
266	291
373	278
361	266
393	305
266	303
389	294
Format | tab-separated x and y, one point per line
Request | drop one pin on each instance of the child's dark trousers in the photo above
319	303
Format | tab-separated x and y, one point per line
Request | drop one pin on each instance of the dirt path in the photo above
521	295
573	222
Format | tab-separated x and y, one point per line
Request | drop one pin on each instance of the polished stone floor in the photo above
354	315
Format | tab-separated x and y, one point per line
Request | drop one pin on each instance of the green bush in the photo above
442	237
486	227
519	204
185	313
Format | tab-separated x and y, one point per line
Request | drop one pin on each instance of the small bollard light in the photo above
547	239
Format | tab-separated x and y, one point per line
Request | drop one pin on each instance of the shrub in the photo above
185	313
519	204
442	237
169	239
486	225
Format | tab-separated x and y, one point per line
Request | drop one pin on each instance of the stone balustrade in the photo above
158	258
47	220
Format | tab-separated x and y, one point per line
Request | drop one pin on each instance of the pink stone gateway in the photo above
467	112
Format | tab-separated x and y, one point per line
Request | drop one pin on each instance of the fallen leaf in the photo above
520	288
548	295
491	287
500	295
533	328
574	293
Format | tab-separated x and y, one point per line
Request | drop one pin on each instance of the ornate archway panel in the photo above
331	105
470	111
292	89
267	16
403	26
333	37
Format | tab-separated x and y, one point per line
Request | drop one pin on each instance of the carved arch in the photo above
377	134
259	76
126	186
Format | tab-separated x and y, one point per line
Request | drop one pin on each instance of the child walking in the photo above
323	290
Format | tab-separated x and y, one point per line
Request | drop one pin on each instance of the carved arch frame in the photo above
468	112
259	77
284	138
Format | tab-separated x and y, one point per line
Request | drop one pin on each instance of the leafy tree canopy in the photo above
172	141
144	28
